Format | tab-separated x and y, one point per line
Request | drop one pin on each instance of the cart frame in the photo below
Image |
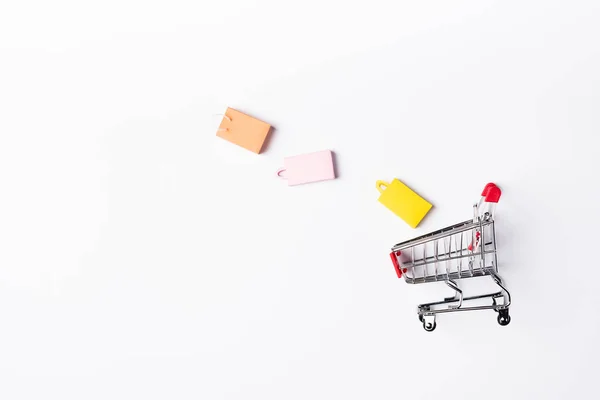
468	251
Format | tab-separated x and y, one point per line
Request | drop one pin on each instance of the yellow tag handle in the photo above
379	185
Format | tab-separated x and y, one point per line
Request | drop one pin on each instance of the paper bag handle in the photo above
279	173
379	184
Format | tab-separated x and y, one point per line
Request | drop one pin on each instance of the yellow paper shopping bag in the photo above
403	201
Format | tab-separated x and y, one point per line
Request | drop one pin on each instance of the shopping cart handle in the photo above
487	188
491	193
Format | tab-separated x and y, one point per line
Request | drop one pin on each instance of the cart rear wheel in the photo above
421	317
429	326
503	317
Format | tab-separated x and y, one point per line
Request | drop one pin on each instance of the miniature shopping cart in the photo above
464	250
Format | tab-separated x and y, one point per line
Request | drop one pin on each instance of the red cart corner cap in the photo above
396	264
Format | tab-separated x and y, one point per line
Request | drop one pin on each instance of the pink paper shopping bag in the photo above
306	168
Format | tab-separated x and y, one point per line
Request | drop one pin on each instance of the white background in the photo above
141	257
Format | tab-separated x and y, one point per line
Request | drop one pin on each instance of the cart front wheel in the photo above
429	326
503	317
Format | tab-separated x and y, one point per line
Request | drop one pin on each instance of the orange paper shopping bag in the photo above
243	130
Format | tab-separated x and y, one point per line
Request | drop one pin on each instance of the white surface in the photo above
143	258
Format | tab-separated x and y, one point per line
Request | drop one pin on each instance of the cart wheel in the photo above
422	309
428	326
503	317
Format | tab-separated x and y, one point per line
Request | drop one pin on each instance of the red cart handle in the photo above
491	193
486	189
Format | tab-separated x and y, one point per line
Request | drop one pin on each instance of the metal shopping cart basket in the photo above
464	250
